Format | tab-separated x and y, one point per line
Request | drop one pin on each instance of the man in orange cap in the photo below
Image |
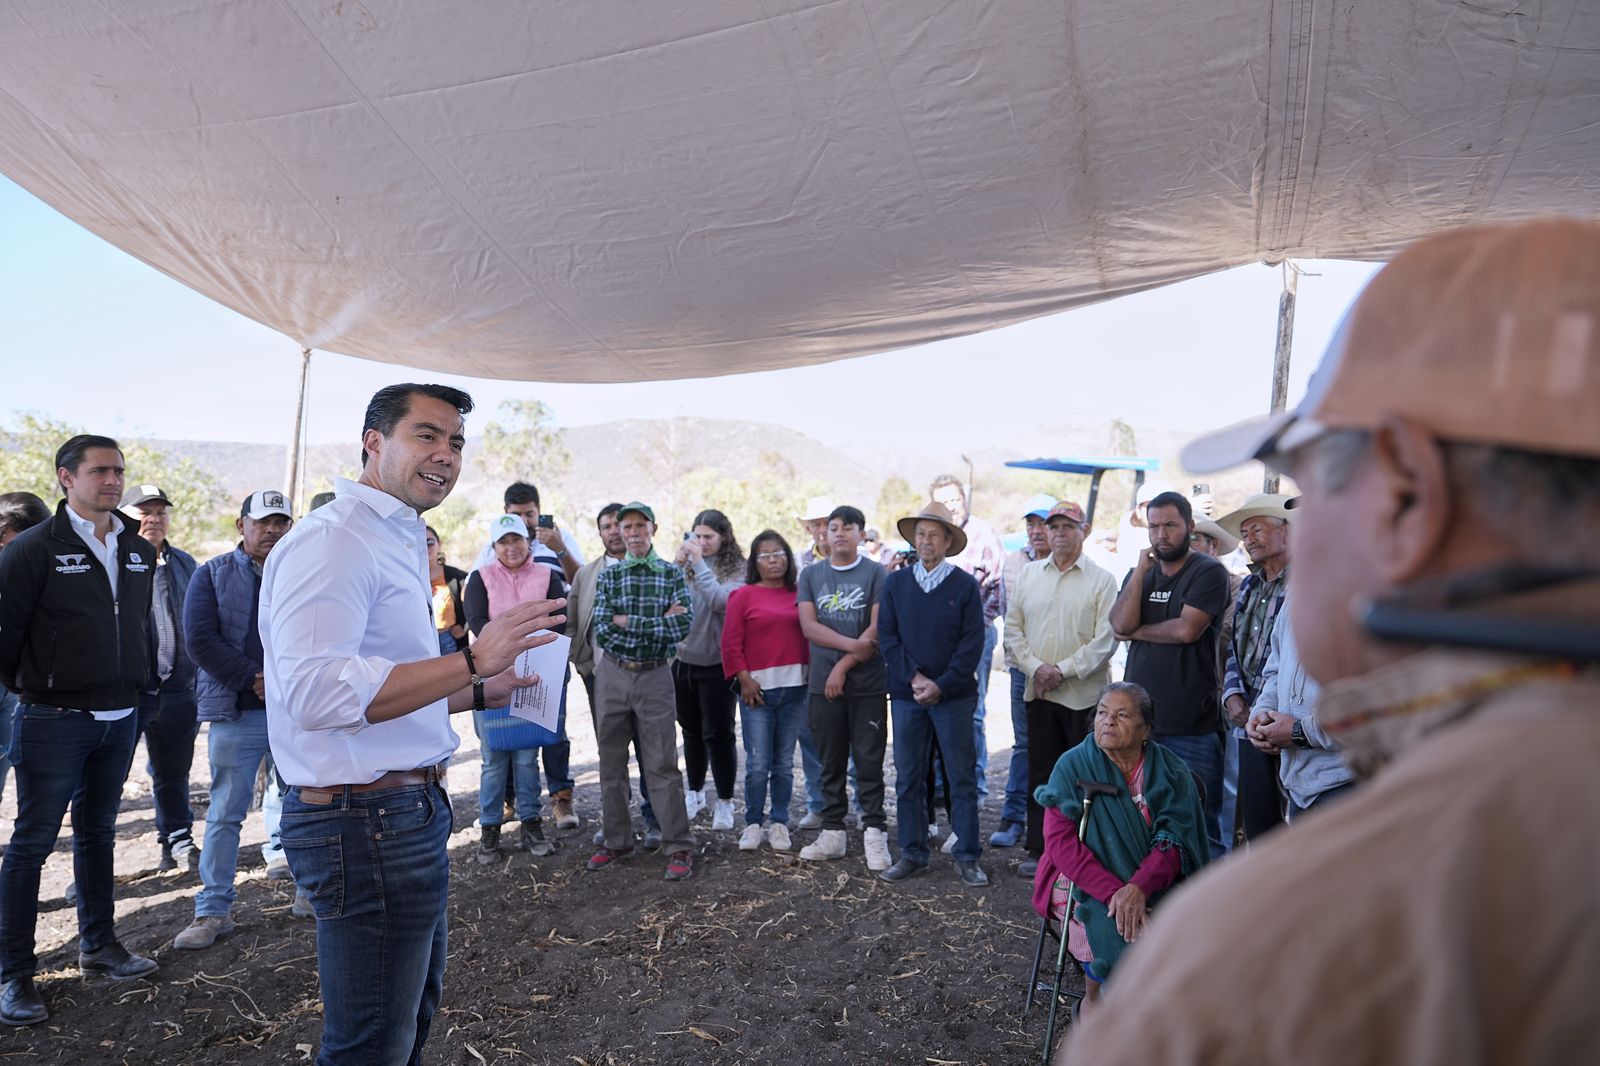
1445	594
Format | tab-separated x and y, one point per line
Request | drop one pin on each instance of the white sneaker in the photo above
751	838
778	837
812	820
876	845
694	802
949	844
830	844
722	818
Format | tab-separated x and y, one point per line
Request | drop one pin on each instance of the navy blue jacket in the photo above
939	634
180	568
220	624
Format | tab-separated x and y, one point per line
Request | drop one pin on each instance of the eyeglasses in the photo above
767	557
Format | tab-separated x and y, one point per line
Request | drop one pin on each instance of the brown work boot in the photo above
566	817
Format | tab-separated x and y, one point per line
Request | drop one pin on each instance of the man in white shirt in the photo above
358	718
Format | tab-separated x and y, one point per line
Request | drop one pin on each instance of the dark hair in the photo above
850	516
1172	499
70	454
945	480
522	492
1141	699
393	402
752	576
434	533
21	511
610	508
729	559
322	499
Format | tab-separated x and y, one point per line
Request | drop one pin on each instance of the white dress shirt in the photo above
345	598
106	551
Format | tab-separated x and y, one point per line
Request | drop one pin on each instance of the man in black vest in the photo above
74	598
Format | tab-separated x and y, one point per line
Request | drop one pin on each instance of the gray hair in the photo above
1528	500
1141	699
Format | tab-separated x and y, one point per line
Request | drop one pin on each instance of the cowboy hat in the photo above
1226	542
1261	505
933	512
816	507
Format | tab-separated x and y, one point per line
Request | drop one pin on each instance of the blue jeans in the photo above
523	768
375	867
557	757
1016	804
62	757
1203	754
980	739
810	765
236	750
167	723
770	732
8	706
915	726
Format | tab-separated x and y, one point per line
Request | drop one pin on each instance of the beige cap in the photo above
1487	335
1261	505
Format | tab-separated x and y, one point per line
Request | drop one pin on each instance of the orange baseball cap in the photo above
1485	335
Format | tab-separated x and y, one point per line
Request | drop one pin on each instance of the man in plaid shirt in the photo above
641	614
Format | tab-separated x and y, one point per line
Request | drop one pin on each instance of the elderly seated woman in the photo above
1144	832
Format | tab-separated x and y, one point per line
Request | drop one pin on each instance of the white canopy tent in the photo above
621	190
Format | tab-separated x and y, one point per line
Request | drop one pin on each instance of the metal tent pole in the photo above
1280	359
292	475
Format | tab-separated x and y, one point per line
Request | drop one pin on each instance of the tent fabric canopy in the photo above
614	190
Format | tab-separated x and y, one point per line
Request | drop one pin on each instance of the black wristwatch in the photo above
478	702
1297	735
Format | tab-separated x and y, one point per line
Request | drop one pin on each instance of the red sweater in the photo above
762	629
1064	853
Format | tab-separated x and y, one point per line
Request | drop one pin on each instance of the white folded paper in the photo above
541	703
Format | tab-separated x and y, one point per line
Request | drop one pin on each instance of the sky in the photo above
90	335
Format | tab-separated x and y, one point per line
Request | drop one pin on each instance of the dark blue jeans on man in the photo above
169	727
1015	809
61	757
376	868
8	707
980	736
1203	754
915	728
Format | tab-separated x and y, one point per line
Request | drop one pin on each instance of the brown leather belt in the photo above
422	775
636	667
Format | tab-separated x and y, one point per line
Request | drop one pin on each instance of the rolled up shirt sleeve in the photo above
314	667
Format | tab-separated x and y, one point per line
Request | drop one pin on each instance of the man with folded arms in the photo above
358	715
641	614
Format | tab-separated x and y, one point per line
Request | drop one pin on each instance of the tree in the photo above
768	499
896	499
199	510
524	444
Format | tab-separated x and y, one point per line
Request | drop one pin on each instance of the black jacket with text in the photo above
64	639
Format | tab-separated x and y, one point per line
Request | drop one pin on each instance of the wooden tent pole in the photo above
292	475
1280	359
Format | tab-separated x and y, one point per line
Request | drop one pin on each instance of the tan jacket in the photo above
580	616
1445	912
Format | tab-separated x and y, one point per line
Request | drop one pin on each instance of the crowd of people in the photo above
305	649
826	654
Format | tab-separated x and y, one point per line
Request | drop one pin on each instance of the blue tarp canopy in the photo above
1089	466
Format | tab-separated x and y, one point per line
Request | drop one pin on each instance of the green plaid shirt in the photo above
642	589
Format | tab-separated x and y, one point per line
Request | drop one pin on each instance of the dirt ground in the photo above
759	958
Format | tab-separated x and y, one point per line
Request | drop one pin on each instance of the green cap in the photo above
641	508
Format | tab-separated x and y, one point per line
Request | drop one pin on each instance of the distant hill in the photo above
644	458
